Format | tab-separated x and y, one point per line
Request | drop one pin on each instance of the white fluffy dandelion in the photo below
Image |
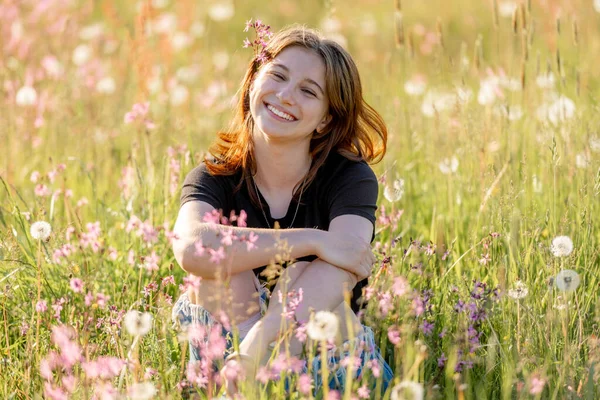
40	230
567	280
448	165
221	11
408	390
561	110
519	291
26	96
582	161
415	86
595	144
561	246
395	191
323	326
138	323
142	391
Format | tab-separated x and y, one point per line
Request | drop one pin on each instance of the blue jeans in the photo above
185	312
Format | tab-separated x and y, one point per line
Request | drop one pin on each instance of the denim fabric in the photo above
186	313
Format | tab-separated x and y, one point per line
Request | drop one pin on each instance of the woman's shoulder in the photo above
338	166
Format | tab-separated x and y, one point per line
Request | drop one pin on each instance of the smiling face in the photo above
288	100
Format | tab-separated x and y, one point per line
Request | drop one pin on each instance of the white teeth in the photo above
280	113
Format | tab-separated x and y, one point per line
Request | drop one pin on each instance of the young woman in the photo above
296	155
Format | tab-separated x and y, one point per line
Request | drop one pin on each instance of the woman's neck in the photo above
280	166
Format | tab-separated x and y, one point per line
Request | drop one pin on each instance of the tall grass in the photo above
494	151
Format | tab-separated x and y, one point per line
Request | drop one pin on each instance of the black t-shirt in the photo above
341	186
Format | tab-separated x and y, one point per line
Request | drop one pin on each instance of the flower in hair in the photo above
262	35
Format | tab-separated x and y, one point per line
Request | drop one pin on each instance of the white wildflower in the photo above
181	41
220	60
142	391
408	390
582	160
463	95
449	165
567	280
512	84
165	23
545	81
512	113
40	230
179	95
597	5
188	74
138	323
488	91
158	4
395	191
197	29
92	31
536	183
222	11
415	86
26	96
323	326
493	146
506	9
437	101
561	246
106	85
81	54
561	110
595	144
519	291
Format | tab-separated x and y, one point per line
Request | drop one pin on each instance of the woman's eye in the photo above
278	76
310	92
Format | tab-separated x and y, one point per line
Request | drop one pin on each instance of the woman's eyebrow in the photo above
286	69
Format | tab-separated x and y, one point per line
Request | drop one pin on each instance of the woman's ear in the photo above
324	122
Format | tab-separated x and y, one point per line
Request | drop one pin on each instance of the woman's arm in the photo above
323	289
235	258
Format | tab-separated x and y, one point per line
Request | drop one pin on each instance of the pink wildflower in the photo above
216	256
394	334
41	306
263	375
304	384
199	248
151	262
536	384
76	285
363	392
400	286
250	242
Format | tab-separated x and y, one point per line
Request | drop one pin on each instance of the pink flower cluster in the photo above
58	368
139	114
259	44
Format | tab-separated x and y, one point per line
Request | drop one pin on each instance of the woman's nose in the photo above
285	94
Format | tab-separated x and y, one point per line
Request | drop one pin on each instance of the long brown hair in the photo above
356	130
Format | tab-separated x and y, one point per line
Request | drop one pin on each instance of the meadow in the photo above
487	283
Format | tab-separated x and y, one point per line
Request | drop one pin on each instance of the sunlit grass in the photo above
493	119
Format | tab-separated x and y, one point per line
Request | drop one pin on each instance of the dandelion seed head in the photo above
323	326
137	323
40	230
142	391
395	191
561	246
222	11
519	291
567	280
26	96
408	390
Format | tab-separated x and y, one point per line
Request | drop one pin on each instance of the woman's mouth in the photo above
279	115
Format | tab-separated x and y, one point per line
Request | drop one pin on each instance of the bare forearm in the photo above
238	256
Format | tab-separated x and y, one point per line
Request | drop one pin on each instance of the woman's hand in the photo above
237	367
348	252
